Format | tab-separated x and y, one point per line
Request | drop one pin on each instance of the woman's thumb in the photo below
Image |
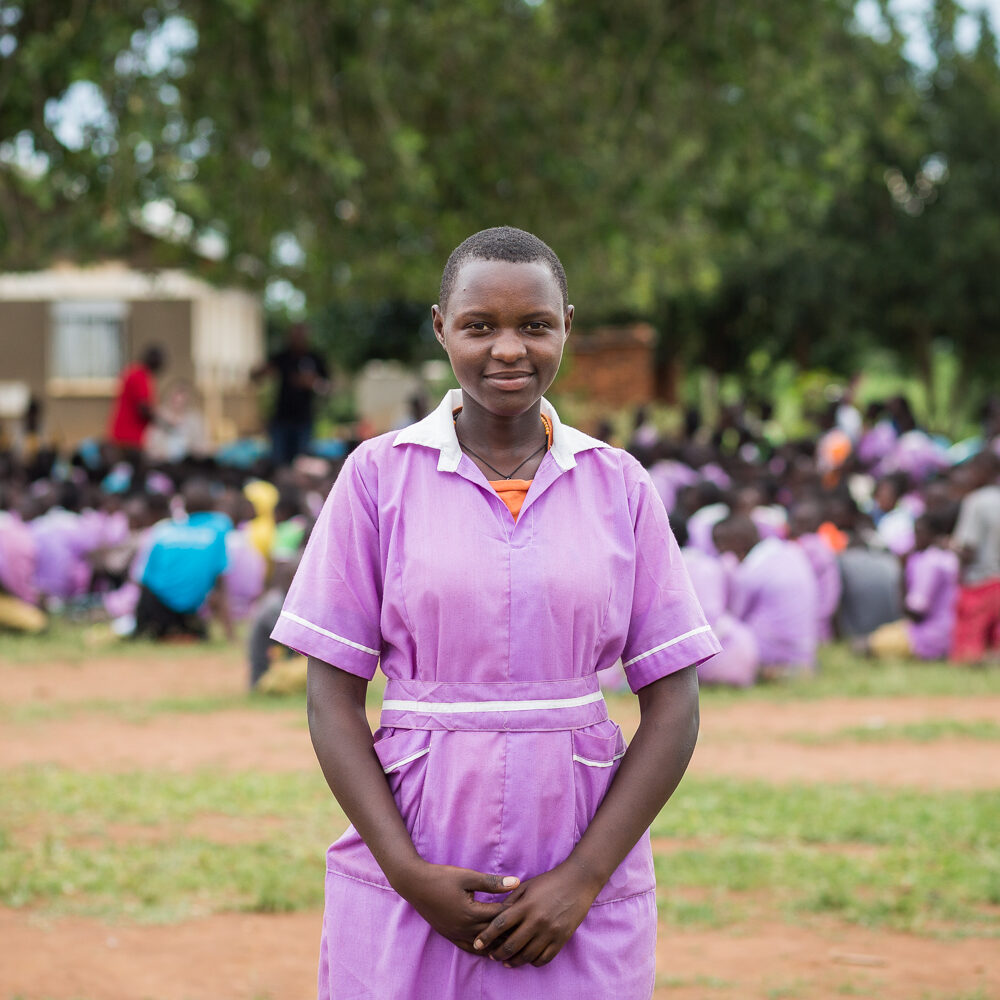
497	883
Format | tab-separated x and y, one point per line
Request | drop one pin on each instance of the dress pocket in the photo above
403	756
596	753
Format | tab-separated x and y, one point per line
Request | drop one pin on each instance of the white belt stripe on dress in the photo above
465	707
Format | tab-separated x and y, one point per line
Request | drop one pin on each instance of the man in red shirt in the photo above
132	411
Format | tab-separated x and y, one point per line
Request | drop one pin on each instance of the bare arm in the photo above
342	739
542	914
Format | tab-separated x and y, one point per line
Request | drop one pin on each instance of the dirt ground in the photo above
253	957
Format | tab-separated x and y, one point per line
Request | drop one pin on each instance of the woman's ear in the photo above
568	321
437	321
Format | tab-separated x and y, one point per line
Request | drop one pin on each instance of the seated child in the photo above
18	594
803	528
774	593
977	542
184	566
738	662
931	586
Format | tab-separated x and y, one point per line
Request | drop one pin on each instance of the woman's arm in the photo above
441	894
541	915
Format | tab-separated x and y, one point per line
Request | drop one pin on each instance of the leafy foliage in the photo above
752	176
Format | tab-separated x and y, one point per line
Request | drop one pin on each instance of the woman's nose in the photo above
508	346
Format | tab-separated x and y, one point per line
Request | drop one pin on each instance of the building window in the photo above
87	345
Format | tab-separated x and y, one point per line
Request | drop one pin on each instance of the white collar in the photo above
437	430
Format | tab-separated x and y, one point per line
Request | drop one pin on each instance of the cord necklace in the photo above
493	468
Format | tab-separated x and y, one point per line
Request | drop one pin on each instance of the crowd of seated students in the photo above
165	551
871	531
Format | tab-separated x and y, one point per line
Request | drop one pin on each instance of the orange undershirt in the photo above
513	491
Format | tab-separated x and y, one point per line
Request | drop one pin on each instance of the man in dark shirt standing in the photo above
302	374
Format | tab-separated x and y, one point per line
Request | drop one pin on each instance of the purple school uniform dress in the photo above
823	561
18	557
494	733
670	477
775	594
738	662
245	574
931	590
62	541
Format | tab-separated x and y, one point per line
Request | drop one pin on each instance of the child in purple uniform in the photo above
803	528
931	590
774	593
497	813
739	660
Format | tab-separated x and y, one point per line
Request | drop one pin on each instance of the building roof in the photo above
105	281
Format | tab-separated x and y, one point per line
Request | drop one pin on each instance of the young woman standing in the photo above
492	560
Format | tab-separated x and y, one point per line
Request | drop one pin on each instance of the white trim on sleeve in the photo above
330	635
665	645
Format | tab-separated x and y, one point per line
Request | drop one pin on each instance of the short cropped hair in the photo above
501	243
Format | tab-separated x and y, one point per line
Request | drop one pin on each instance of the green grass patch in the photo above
694	982
51	796
164	882
841	673
908	860
711	909
62	846
927	731
143	711
67	641
141	847
139	711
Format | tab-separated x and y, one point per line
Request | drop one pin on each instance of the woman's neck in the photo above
499	436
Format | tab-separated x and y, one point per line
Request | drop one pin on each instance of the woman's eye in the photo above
480	327
535	327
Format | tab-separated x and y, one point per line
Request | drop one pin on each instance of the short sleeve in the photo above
668	630
333	607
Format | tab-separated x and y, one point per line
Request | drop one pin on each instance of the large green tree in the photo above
748	174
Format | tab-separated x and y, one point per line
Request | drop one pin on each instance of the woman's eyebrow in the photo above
487	313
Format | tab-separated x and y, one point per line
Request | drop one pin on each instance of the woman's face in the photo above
504	332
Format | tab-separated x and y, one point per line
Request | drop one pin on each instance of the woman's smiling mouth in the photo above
509	380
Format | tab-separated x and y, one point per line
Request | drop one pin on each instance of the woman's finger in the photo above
529	953
549	952
501	924
514	951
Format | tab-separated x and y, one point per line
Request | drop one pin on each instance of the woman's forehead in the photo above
481	283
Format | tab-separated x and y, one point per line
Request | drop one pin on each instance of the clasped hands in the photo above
528	927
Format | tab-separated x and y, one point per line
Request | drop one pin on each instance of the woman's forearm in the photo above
344	747
651	769
443	895
544	913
